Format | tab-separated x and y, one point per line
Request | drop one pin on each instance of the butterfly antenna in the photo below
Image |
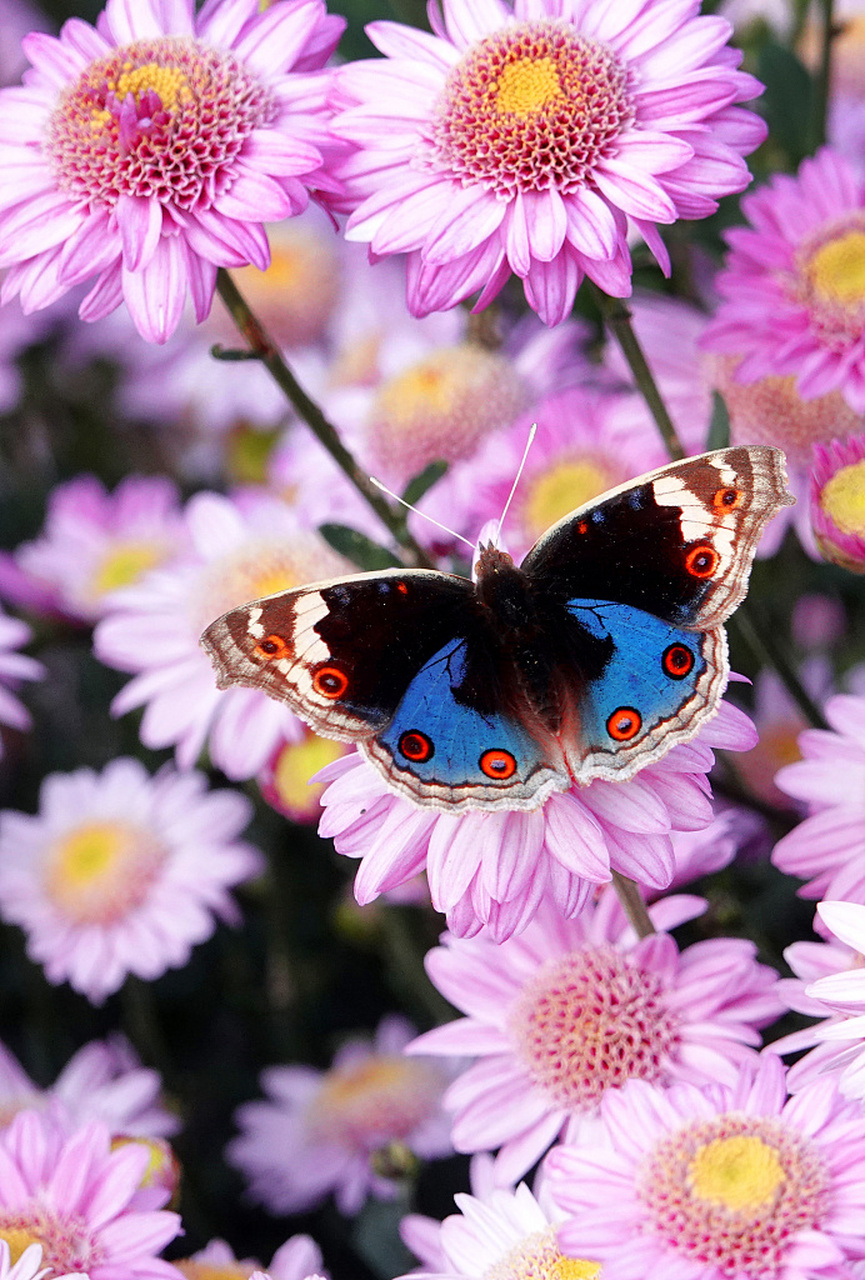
533	431
378	484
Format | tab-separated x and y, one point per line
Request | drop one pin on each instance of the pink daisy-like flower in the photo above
285	779
102	1081
27	1265
122	873
794	302
723	1183
319	1130
573	1008
494	868
14	667
829	845
151	150
838	501
242	548
298	1259
500	1235
831	986
94	543
76	1197
528	140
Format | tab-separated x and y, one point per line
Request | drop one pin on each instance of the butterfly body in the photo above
592	659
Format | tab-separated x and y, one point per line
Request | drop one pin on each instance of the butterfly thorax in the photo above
507	593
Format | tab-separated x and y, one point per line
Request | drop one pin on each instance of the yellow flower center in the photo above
125	564
837	270
18	1239
208	1271
527	86
102	870
365	1104
297	763
737	1173
843	498
558	491
537	1257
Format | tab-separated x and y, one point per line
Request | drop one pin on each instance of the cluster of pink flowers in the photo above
611	1068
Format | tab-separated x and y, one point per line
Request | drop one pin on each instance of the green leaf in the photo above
719	428
421	484
358	548
788	102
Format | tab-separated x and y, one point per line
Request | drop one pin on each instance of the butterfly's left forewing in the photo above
340	653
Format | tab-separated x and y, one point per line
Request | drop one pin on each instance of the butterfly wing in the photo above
403	663
678	543
650	573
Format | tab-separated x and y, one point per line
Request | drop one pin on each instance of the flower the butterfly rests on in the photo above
594	658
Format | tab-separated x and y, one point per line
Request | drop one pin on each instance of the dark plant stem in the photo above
634	906
617	317
824	71
766	649
263	348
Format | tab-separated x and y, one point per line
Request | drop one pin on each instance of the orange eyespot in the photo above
498	764
416	746
583	526
271	648
677	661
727	499
702	561
330	682
402	588
625	723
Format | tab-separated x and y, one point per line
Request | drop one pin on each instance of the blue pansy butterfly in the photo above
600	652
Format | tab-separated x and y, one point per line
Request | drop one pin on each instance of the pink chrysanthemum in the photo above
500	1235
528	140
76	1197
830	984
14	667
298	1259
573	1008
102	1081
284	781
94	543
723	1183
241	548
794	302
495	868
122	873
151	150
829	845
838	501
578	453
27	1264
319	1131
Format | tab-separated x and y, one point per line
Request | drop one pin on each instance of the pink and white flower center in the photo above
832	281
158	119
589	1021
537	1257
732	1192
67	1242
531	107
97	873
442	407
365	1104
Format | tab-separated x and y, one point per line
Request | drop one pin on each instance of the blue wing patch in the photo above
653	672
437	745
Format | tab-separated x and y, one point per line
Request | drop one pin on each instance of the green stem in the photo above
265	350
769	653
824	71
632	901
618	319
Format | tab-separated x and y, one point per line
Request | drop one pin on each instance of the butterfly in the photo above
593	658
